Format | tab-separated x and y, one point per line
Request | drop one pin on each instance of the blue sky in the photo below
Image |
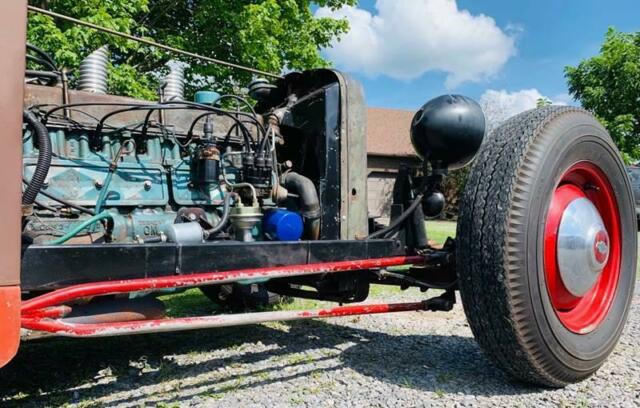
525	45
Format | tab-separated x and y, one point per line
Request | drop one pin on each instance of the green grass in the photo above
381	291
297	304
439	231
189	303
193	303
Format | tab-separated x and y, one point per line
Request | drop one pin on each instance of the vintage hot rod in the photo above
109	201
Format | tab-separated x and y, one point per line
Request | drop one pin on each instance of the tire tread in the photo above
491	225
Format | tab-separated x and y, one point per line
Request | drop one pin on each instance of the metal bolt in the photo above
98	184
147	185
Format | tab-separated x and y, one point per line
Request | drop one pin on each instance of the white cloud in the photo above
563	99
408	38
500	105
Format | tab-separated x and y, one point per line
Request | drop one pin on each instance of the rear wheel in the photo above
547	246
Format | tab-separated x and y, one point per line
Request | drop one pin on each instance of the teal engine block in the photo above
145	194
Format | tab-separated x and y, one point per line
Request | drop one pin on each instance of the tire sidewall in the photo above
565	142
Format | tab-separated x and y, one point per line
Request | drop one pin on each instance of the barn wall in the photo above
382	171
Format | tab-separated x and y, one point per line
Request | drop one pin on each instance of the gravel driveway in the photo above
405	359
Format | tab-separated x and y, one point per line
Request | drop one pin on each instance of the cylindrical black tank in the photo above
448	130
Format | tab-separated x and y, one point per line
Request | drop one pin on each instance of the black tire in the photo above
241	297
500	247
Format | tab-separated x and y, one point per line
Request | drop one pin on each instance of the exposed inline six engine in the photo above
128	171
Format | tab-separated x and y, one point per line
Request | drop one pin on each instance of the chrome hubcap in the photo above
583	246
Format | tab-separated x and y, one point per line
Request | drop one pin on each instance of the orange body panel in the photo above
9	323
13	27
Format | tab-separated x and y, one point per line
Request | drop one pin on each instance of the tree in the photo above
542	102
609	85
269	35
69	43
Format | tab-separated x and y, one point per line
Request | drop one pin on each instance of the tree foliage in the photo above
69	43
609	85
270	35
542	102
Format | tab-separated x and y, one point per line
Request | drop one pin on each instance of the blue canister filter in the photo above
206	97
283	225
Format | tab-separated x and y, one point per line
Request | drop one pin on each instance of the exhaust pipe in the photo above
173	86
116	310
93	71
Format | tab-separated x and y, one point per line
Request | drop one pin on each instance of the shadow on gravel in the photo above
58	371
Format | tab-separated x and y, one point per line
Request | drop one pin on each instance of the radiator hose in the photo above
226	212
308	194
78	228
44	159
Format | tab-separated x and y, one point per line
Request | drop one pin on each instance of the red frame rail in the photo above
46	312
61	328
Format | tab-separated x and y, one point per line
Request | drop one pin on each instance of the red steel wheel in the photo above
582	247
546	246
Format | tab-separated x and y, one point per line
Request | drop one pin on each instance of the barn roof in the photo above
388	132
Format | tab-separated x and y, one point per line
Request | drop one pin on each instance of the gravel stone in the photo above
399	360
